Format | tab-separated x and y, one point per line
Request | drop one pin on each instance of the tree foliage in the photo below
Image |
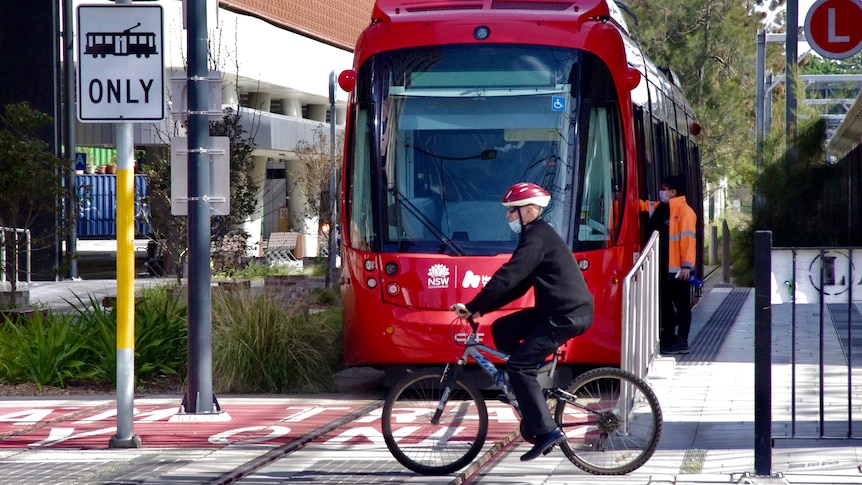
794	204
171	232
814	64
313	177
711	47
244	188
31	182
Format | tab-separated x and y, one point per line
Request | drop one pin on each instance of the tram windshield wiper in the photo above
436	231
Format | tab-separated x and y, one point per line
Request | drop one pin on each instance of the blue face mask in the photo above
663	196
515	226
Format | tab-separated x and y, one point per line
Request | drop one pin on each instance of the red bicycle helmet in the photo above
525	193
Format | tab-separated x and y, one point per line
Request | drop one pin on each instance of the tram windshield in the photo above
442	132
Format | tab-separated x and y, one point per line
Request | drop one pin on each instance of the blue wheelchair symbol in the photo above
558	103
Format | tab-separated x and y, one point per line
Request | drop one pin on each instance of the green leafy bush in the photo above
161	333
160	336
41	349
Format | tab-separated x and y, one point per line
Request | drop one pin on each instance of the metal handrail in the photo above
27	251
640	311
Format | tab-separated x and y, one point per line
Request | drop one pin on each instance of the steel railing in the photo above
640	311
15	252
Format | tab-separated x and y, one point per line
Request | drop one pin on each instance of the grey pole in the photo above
790	47
760	93
767	108
125	437
69	136
333	185
758	108
199	397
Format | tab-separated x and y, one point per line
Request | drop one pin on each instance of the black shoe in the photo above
667	343
544	444
680	347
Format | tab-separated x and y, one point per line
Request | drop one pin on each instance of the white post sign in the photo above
120	63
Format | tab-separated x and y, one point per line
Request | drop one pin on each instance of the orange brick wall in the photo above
336	22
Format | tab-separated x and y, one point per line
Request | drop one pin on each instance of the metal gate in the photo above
817	342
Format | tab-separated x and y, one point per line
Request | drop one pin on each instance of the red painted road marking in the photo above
269	422
252	422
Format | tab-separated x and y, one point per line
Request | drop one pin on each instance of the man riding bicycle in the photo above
563	309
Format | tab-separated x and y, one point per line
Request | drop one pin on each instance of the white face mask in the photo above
663	196
515	226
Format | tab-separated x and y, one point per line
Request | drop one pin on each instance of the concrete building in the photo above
275	58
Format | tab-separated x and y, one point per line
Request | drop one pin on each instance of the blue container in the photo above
97	206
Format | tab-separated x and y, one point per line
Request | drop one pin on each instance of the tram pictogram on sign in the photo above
125	43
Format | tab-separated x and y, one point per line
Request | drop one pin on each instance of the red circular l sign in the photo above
832	27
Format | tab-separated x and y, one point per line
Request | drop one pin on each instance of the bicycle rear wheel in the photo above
612	421
434	448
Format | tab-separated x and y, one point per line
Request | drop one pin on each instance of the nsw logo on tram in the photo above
438	276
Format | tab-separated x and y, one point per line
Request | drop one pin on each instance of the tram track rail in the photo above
275	454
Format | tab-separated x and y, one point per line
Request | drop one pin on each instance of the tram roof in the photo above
389	9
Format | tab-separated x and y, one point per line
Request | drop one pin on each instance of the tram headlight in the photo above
369	265
481	32
583	264
371	282
390	269
393	289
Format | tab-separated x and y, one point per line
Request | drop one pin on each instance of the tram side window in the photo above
660	149
603	178
361	227
647	182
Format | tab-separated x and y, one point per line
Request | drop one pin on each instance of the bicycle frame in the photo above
476	350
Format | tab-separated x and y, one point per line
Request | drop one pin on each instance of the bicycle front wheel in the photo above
612	421
429	446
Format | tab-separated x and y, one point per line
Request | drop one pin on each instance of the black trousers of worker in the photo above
675	311
529	336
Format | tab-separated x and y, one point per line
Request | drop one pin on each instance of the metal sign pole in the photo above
125	437
199	397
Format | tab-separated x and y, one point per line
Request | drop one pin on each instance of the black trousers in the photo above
529	336
675	309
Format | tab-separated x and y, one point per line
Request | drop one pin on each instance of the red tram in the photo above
453	101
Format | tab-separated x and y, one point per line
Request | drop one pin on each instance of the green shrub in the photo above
41	350
254	269
260	346
327	296
160	336
98	329
161	333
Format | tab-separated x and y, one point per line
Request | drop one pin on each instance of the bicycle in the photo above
435	423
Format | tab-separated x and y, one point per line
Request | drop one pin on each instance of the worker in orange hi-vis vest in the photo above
676	223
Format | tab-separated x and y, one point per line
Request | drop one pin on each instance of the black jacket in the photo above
544	262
